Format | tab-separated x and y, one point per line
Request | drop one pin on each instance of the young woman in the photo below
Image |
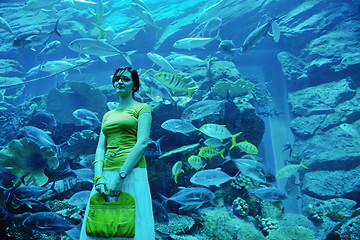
119	163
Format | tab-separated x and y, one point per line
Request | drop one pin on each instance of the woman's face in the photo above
123	83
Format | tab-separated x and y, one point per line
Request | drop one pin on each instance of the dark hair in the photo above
134	77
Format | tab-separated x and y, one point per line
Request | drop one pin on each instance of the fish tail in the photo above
164	199
191	91
302	164
101	33
233	139
126	55
222	153
56	28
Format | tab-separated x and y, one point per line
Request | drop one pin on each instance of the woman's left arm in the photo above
143	135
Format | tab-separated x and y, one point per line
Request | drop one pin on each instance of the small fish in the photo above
214	142
174	82
196	162
84	174
95	47
210	12
259	33
162	62
191	197
210	152
33	5
202	109
33	71
191	43
160	212
157	88
247	147
253	169
350	129
211	177
290	170
228	49
176	170
38	136
99	13
56	66
180	149
292	188
44	120
211	25
178	125
112	105
123	37
80	199
50	48
144	15
34	38
86	117
188	61
351	59
219	131
48	222
5	25
269	194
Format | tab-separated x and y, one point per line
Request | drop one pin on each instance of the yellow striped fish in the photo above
174	82
210	152
219	131
289	170
196	162
176	170
247	147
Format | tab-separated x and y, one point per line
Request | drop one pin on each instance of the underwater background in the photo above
255	109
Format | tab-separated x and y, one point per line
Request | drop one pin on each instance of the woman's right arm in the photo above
100	182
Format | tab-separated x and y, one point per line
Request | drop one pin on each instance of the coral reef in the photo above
81	143
178	224
240	207
234	89
28	159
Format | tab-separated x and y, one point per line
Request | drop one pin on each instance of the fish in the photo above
258	34
220	132
99	12
84	174
209	177
178	125
176	170
191	43
141	3
86	117
214	142
202	109
80	199
86	160
269	194
108	33
160	212
351	59
33	5
196	162
210	12
292	187
350	129
48	222
190	197
144	15
123	37
290	170
211	25
157	88
253	169
35	38
247	147
39	137
188	61
95	47
162	62
210	152
44	120
180	149
33	71
228	48
5	25
174	82
56	66
50	48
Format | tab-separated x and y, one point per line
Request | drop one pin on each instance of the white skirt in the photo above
137	184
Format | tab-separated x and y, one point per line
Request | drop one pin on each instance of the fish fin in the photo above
233	139
56	28
275	28
302	164
103	59
126	55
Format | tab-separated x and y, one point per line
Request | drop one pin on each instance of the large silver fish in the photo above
178	125
34	38
259	33
202	109
95	47
210	177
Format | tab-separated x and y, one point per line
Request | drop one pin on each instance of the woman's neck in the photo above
125	101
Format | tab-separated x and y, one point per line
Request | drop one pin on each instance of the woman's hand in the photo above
115	187
101	186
